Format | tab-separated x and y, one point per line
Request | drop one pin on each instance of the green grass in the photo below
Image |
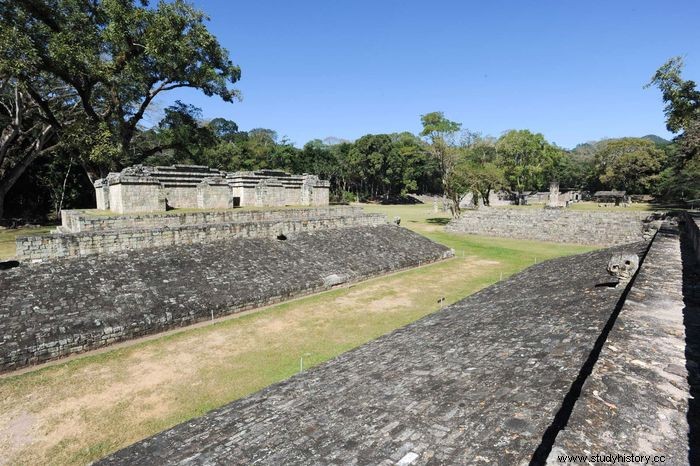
8	236
514	254
82	409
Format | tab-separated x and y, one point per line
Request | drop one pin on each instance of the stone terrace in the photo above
636	398
84	234
476	383
57	308
558	225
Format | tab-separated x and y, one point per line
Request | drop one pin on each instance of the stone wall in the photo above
690	222
211	195
476	383
133	195
77	221
557	225
57	308
150	189
636	400
148	235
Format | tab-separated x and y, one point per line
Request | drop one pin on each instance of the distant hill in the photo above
658	140
586	150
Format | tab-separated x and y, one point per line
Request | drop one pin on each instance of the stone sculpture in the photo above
623	266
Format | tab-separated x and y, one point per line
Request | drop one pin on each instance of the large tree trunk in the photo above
20	145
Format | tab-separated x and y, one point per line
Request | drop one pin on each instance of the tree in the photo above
681	97
124	57
680	179
223	129
527	158
480	172
180	137
440	132
29	125
630	164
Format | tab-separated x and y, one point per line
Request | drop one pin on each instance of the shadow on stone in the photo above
6	265
561	418
691	320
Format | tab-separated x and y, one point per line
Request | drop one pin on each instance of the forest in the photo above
72	109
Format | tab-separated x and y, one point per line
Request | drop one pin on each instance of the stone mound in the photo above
62	307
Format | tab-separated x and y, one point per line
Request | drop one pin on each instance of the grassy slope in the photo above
82	409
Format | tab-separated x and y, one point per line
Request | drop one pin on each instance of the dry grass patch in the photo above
78	411
85	408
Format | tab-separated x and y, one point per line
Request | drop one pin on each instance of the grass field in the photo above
8	235
83	408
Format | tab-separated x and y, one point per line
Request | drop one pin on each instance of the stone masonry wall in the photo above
76	221
690	223
39	248
557	225
156	231
476	383
57	308
636	399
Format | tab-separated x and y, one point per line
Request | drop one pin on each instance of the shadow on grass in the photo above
438	220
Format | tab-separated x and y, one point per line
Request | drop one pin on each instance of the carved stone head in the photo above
623	265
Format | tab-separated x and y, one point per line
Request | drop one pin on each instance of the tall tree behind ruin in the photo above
527	159
116	57
441	132
682	111
32	115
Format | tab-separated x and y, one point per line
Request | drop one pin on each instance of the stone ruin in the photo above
152	189
540	365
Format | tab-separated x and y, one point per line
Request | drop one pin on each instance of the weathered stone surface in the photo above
93	235
146	189
476	383
78	221
57	308
636	399
558	225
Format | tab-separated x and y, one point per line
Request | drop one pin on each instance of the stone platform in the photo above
83	234
479	382
635	400
562	225
57	308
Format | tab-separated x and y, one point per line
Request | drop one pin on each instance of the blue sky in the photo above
572	70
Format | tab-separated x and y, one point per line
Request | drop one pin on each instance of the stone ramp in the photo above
57	308
476	383
635	402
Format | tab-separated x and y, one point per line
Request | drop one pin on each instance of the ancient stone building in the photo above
151	189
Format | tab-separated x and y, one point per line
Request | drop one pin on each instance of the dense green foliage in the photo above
77	76
71	106
680	177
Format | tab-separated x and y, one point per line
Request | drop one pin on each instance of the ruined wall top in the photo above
194	174
142	188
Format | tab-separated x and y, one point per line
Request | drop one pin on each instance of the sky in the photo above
571	70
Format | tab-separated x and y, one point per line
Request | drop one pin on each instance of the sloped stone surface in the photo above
476	383
61	307
635	401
